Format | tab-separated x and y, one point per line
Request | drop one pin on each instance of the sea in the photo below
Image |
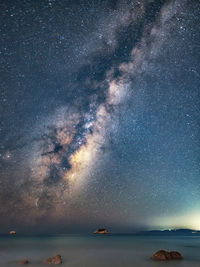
117	250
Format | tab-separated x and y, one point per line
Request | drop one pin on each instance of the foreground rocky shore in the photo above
160	255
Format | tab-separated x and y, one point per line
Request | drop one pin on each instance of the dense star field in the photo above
99	115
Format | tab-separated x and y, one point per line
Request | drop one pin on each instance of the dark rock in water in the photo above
175	255
101	231
54	260
25	261
163	255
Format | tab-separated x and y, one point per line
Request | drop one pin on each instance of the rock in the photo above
175	255
25	261
12	232
101	231
54	260
163	255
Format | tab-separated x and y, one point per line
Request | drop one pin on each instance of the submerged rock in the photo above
163	255
54	260
101	231
25	261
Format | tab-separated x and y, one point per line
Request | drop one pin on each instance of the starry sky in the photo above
99	115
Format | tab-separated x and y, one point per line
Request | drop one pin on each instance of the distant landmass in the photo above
170	232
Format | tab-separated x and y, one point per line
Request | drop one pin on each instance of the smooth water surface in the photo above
99	250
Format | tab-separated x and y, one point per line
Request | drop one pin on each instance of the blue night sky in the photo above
99	115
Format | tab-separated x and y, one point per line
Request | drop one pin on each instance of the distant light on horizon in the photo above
188	221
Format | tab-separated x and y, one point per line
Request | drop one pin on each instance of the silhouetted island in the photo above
170	232
101	231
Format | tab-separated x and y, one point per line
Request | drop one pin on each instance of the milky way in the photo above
99	107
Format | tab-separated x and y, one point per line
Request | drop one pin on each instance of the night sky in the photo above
99	115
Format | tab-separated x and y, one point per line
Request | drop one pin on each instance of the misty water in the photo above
99	250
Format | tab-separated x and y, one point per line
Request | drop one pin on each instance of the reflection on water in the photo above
98	251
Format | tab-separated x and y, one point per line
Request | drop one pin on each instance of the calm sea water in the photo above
99	251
